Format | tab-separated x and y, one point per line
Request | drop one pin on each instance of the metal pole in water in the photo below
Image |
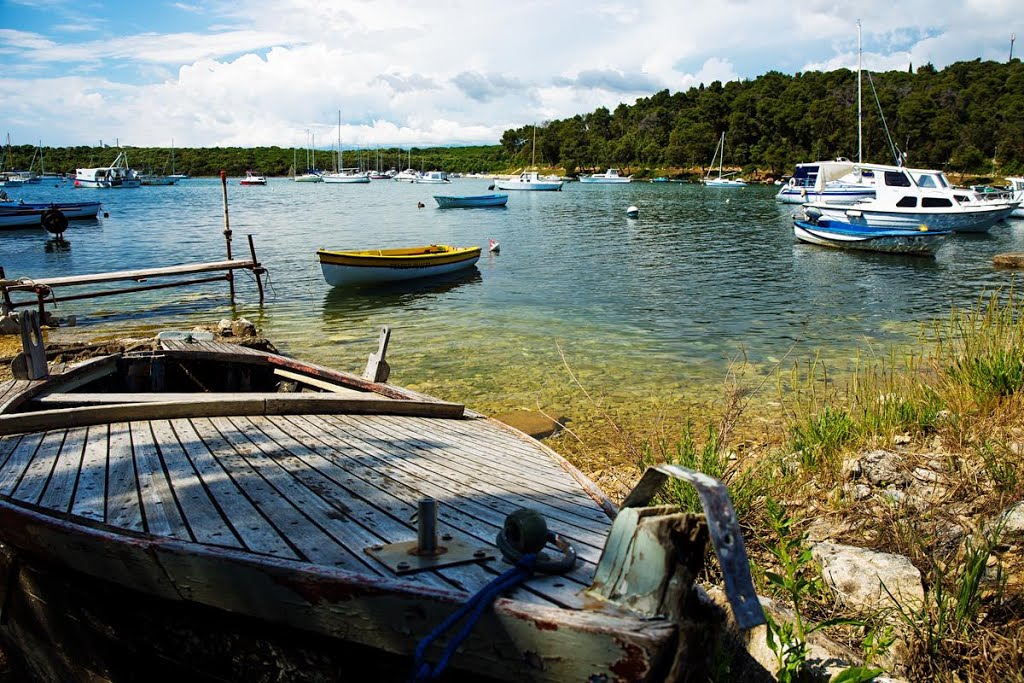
227	234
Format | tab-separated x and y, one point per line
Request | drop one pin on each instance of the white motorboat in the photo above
840	181
1017	195
433	178
528	180
912	198
609	176
117	175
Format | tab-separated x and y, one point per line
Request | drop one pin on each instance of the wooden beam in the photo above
321	384
222	405
127	274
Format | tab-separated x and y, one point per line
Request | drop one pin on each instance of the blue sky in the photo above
414	73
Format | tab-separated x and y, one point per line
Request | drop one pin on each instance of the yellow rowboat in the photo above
388	265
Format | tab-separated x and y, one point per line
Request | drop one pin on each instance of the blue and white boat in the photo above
470	201
30	215
840	182
840	235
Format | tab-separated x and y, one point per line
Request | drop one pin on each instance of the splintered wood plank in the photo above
37	474
345	504
297	513
201	515
387	455
16	463
255	531
478	443
159	508
440	459
61	488
91	492
390	498
123	507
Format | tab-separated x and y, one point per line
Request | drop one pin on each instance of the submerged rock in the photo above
537	425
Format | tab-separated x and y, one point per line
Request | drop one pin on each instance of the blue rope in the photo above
475	608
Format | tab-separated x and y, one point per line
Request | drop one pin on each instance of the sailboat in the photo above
409	175
310	176
722	180
530	180
174	175
839	181
342	174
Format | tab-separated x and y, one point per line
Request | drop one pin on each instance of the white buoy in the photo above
493	246
632	212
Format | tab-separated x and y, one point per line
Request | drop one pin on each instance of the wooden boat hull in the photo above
277	510
389	265
470	201
891	241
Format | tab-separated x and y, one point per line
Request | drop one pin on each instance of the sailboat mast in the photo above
860	136
339	164
533	153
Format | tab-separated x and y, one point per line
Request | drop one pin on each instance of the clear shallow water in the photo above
647	313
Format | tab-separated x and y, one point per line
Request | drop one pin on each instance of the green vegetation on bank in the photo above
949	408
966	118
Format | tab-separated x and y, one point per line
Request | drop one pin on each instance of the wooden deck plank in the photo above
17	462
38	472
61	488
91	493
390	491
201	515
256	533
159	508
479	483
124	509
451	493
7	446
360	520
298	514
478	445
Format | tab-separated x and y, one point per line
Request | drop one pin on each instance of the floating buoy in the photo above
493	246
632	212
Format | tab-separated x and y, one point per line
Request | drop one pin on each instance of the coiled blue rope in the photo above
474	608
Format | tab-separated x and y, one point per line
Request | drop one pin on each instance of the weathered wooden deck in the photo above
311	488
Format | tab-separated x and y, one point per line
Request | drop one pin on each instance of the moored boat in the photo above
610	176
839	182
910	198
373	266
528	181
829	233
252	178
30	215
723	179
199	501
433	178
116	176
1017	195
470	201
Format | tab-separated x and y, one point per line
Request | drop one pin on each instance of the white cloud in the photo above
404	72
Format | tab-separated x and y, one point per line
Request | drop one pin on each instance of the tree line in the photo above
966	118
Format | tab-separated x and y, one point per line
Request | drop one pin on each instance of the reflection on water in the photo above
643	313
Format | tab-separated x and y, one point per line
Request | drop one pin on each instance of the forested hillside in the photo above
968	117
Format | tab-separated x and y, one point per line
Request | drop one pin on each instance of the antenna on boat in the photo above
860	132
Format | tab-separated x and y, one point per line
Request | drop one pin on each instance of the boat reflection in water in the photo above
344	301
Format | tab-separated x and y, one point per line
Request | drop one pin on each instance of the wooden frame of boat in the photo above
206	481
387	265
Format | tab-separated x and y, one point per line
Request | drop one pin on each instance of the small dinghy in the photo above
375	266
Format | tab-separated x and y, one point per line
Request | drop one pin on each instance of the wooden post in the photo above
377	369
227	233
7	305
257	269
31	362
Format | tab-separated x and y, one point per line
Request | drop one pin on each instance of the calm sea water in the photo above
641	313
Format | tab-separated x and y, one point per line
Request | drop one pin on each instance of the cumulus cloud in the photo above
407	73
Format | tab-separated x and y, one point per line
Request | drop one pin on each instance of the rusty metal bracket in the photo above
726	537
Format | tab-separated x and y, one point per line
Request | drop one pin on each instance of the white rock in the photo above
864	579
